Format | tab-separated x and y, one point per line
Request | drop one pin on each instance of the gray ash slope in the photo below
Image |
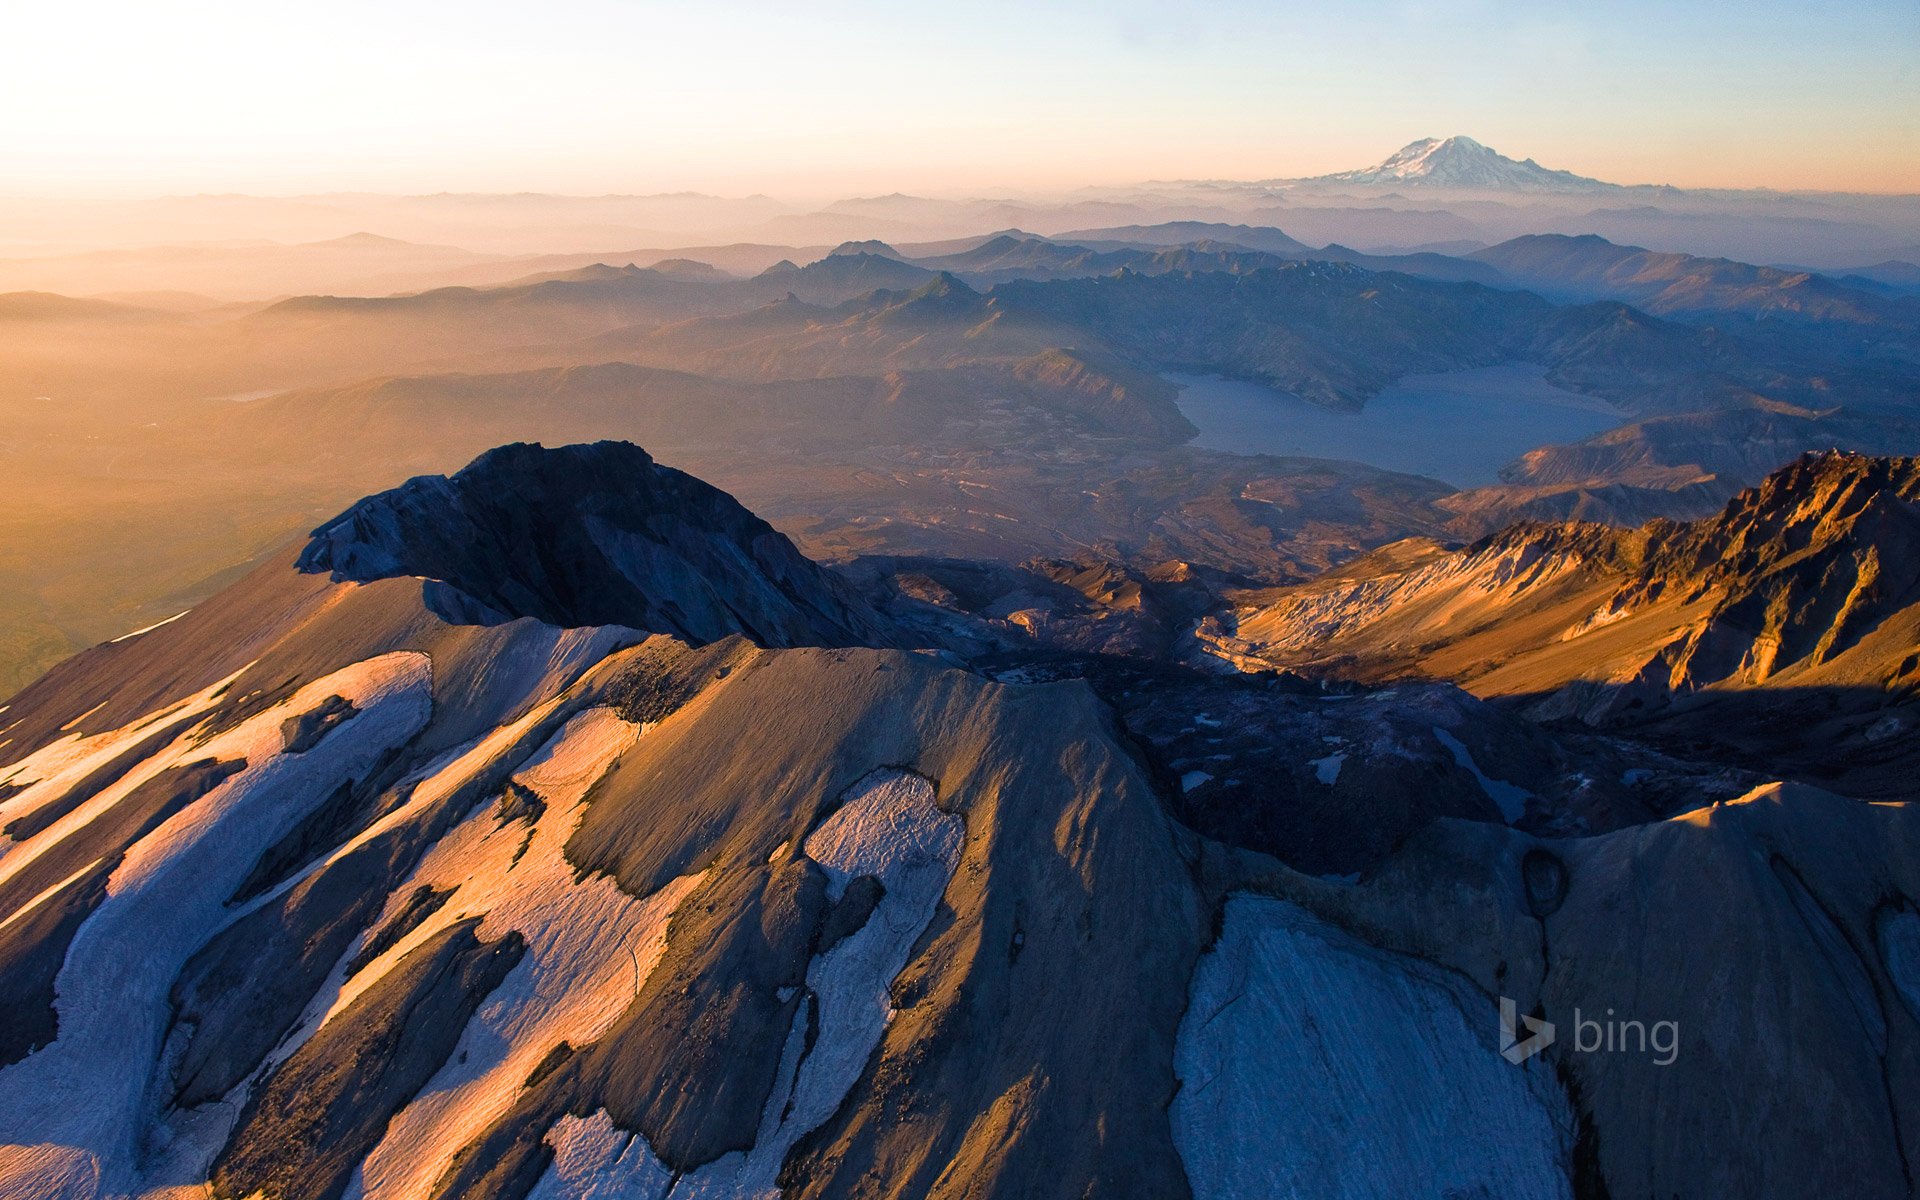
329	891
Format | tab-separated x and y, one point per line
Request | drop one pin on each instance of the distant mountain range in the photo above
915	345
1683	285
1451	194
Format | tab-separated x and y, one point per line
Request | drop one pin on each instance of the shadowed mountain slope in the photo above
1686	286
1683	466
1330	332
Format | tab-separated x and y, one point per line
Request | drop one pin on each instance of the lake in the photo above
1459	427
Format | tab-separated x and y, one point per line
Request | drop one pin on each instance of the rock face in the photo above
1758	930
330	888
465	904
591	535
1797	571
1812	577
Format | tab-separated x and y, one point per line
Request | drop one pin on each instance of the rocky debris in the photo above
1330	778
1089	605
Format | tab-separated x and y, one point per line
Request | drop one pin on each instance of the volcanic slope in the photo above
330	888
1793	614
1806	577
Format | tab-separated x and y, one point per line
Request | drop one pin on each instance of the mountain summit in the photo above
1464	164
591	535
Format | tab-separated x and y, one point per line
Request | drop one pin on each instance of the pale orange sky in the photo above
613	95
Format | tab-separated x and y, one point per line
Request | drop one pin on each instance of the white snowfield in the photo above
590	948
127	637
76	1117
56	768
198	1135
1312	1065
71	1113
889	827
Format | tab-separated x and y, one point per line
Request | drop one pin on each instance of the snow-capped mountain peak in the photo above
1464	164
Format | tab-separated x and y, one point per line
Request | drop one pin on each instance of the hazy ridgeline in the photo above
188	383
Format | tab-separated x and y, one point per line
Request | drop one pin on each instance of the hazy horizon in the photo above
602	97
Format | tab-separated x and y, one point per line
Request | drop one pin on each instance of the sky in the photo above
837	97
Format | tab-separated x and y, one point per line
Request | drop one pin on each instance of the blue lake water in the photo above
1460	427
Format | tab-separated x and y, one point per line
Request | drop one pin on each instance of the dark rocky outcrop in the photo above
591	535
421	903
303	733
320	1112
246	988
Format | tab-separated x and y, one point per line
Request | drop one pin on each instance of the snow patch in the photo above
447	774
889	827
1602	616
594	1159
1509	798
56	768
127	637
1327	770
89	1089
590	948
192	1139
1313	1065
